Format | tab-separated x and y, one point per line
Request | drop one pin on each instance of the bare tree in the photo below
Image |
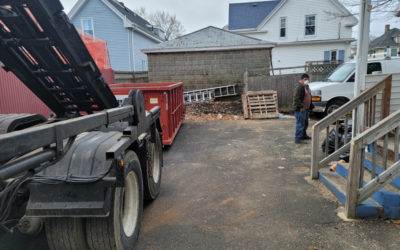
141	12
381	9
172	27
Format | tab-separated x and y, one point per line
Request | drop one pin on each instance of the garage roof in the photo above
209	39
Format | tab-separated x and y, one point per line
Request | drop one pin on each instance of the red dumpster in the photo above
169	96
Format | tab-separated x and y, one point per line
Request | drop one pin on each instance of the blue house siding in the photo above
141	42
108	27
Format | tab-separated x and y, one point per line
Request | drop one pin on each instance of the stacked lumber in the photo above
260	104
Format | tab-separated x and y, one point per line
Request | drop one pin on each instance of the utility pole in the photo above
362	58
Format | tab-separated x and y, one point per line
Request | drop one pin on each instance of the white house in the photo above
306	30
387	45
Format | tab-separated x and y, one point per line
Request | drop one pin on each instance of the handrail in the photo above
346	108
367	97
355	191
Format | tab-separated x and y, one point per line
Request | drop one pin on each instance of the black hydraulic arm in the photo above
19	143
42	48
50	137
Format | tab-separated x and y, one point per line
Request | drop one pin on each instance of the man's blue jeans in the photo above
301	125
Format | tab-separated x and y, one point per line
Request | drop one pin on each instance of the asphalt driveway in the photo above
244	184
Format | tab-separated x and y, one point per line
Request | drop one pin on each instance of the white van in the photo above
338	87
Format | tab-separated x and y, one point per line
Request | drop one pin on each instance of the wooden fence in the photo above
283	84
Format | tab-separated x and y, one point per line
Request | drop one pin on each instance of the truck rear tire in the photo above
153	170
120	230
66	233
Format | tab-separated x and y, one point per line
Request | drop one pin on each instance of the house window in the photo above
87	26
333	56
310	25
393	52
283	27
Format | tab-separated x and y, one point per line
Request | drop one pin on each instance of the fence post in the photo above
245	82
353	179
314	152
386	95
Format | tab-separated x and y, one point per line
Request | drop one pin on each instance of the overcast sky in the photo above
195	14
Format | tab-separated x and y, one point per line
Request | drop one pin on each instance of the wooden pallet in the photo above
260	104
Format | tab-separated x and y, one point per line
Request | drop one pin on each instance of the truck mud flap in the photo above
69	200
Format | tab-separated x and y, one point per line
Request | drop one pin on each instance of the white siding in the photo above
297	55
395	93
327	26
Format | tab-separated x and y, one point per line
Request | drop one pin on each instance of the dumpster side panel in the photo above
16	98
168	96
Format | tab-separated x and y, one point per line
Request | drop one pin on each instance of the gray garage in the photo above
207	58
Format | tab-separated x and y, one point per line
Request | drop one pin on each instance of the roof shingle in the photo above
209	37
132	16
386	40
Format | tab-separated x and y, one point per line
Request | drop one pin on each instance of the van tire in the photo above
333	105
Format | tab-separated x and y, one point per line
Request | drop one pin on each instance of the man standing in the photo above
302	104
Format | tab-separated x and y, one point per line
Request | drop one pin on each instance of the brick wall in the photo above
200	70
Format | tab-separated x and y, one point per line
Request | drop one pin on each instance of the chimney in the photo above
387	27
122	3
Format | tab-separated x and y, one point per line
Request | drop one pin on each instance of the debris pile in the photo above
211	111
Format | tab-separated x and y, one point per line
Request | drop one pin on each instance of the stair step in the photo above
388	198
337	184
342	169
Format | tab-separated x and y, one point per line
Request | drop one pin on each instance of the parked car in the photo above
338	87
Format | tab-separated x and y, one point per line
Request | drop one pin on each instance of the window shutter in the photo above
327	55
341	55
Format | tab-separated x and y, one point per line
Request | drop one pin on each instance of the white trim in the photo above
82	25
242	47
280	27
277	8
129	49
337	55
133	50
349	40
76	8
271	14
346	12
127	23
305	25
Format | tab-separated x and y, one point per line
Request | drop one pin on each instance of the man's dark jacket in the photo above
298	98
